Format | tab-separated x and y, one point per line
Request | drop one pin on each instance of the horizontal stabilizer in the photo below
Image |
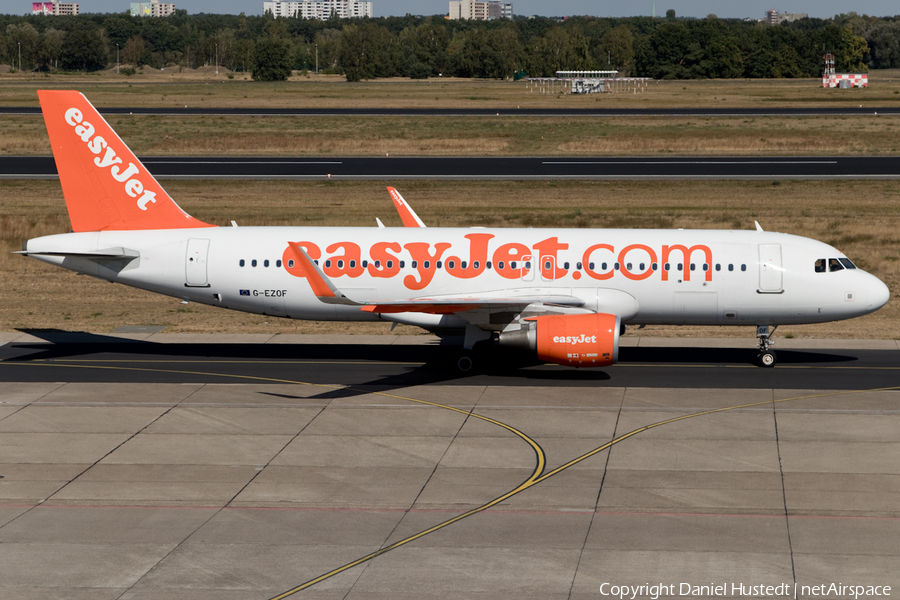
108	253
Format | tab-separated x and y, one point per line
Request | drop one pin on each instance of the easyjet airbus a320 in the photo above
562	294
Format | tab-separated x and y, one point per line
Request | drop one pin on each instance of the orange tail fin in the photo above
106	187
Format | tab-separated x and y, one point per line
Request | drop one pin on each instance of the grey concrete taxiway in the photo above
251	489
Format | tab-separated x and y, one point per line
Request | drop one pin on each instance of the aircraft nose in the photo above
878	294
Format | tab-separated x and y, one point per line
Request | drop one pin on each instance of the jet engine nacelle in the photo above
584	340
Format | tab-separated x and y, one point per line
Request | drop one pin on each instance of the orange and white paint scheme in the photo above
563	295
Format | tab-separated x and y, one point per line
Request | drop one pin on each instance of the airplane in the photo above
562	295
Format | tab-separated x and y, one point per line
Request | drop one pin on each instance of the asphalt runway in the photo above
398	367
139	470
486	112
522	168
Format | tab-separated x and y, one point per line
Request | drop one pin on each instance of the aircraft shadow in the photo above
382	367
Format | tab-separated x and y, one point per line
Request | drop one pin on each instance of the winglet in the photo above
758	226
106	187
407	214
322	287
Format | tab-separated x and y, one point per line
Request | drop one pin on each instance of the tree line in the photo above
420	47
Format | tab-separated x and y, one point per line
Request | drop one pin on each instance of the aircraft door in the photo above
770	269
527	268
195	263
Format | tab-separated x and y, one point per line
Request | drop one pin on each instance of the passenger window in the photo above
253	263
718	266
365	264
415	264
527	264
390	264
512	264
743	267
666	266
654	266
578	266
463	264
242	263
438	264
402	264
352	264
846	262
680	267
291	263
278	263
603	266
547	266
488	264
377	264
615	266
835	265
450	264
591	266
328	263
693	267
566	266
500	265
427	264
705	267
476	264
340	264
820	266
641	267
266	263
731	267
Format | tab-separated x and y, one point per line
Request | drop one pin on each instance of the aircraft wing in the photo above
327	292
446	306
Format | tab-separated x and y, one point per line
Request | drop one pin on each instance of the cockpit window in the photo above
835	265
847	264
821	265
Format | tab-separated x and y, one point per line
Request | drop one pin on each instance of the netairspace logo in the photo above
784	590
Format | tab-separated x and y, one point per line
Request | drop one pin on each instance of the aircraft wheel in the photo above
767	359
465	364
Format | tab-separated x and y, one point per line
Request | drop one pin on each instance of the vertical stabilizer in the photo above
106	187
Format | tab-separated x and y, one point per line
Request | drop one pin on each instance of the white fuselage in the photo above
702	277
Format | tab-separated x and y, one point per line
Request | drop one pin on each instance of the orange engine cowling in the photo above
589	340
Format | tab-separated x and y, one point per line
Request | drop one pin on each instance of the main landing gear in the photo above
766	357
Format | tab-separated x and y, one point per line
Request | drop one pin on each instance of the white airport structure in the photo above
54	8
154	8
587	82
830	79
773	17
480	10
319	9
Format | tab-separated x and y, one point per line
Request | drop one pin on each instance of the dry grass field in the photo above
861	218
480	136
202	87
444	136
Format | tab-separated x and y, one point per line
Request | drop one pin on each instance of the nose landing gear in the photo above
766	357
